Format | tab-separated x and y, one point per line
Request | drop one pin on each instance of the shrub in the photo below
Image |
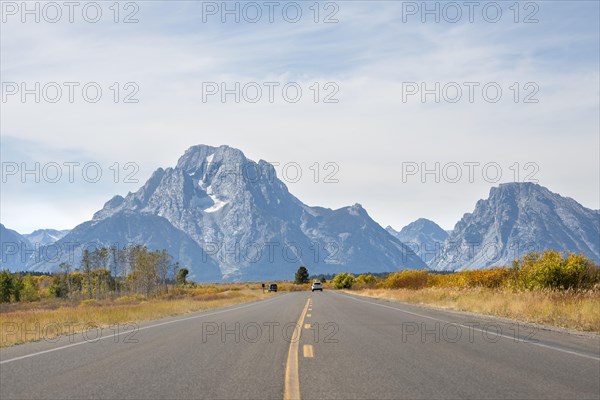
321	278
17	287
488	278
452	280
291	287
6	286
410	279
343	280
551	270
59	287
30	289
367	280
43	284
134	299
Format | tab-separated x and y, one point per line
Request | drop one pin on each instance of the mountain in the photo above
226	217
45	237
515	219
14	250
128	228
423	236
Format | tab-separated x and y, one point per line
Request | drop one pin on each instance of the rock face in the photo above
423	236
226	217
14	250
518	218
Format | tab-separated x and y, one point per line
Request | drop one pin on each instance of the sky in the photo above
411	109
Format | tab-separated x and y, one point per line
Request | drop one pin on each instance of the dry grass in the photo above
292	287
25	322
579	311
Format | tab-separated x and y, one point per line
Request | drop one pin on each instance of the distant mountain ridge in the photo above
226	217
515	219
44	237
423	236
13	246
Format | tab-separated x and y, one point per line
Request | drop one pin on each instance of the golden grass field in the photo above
50	317
24	322
572	310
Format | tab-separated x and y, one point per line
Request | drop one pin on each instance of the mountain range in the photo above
44	237
515	219
226	217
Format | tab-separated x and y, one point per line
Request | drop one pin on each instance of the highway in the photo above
328	345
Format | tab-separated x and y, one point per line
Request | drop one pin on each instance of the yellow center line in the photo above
291	391
308	351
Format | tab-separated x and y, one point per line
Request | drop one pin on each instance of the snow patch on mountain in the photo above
45	237
244	219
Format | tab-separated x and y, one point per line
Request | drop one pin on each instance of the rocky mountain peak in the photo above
423	236
241	217
515	219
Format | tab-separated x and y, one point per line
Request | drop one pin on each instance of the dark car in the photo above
273	287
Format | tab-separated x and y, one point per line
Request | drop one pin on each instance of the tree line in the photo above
102	272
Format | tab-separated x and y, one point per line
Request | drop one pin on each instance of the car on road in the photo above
317	286
273	287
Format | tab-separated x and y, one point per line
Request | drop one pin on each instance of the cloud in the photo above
370	134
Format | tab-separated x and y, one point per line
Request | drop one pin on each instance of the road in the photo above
349	347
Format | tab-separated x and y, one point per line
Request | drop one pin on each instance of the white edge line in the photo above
129	331
472	327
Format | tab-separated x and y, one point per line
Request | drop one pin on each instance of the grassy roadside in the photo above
572	310
26	322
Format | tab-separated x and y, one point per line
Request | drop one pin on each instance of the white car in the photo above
317	286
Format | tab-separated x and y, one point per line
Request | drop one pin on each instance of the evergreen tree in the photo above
182	275
301	275
6	286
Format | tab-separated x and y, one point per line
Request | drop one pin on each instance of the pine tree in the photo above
301	275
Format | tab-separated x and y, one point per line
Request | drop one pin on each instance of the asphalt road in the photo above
349	348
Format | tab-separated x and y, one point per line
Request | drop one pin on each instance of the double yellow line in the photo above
291	390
